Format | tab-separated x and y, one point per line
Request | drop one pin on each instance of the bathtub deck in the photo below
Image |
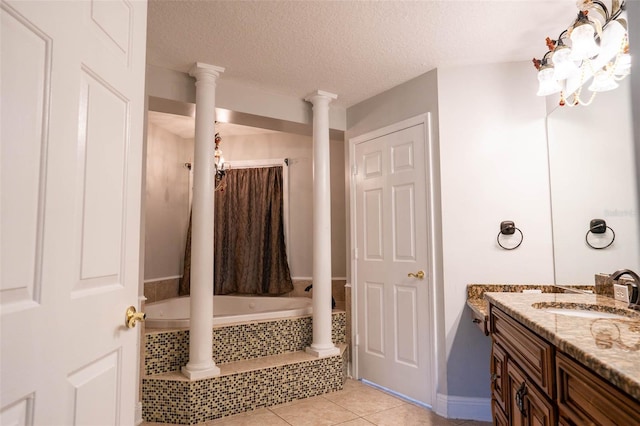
261	364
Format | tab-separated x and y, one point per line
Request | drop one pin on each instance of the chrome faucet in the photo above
634	300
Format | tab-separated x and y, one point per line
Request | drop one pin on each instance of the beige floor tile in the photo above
362	399
408	414
356	422
262	417
354	384
315	411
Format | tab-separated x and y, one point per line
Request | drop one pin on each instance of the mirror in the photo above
592	176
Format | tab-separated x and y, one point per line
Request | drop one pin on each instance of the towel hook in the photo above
508	227
599	226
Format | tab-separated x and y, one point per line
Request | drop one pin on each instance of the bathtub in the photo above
172	313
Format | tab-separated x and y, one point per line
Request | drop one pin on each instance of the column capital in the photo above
200	70
320	94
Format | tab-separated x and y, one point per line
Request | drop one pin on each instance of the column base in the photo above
323	352
200	373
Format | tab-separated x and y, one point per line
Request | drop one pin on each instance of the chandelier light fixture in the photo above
219	164
595	47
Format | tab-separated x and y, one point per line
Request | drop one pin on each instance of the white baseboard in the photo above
153	280
139	418
311	278
461	407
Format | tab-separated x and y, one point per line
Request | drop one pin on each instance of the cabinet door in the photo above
564	422
498	375
499	418
528	406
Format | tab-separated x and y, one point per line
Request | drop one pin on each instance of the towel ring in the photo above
508	227
599	226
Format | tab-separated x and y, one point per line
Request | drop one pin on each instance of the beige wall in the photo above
167	203
167	197
299	151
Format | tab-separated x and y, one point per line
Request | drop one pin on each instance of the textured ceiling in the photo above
355	49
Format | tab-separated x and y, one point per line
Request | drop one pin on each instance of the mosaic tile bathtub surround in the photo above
167	351
170	398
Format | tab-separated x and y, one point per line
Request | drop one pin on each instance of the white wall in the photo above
299	151
489	131
167	203
592	176
493	163
634	44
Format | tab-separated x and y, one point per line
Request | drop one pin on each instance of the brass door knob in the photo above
132	317
419	275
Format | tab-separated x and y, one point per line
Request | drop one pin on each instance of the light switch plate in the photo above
621	292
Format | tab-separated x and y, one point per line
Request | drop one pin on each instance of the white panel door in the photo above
72	105
393	321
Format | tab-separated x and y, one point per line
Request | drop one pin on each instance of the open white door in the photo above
393	284
72	104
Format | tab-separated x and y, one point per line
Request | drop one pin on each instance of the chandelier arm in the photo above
615	13
604	9
565	32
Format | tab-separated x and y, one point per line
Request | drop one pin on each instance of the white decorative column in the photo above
322	345
201	364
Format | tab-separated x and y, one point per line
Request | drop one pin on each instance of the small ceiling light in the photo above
563	65
548	85
583	43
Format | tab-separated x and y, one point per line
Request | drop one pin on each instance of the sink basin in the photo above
582	313
584	310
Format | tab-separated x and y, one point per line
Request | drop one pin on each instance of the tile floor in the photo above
356	405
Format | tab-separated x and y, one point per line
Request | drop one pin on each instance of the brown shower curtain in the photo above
250	252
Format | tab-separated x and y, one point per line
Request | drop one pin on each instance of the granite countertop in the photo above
608	346
478	304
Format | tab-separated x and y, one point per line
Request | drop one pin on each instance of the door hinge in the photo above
354	170
355	253
357	339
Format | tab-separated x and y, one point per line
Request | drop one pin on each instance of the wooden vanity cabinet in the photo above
585	399
533	354
522	373
534	384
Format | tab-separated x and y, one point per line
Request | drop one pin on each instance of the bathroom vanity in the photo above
567	359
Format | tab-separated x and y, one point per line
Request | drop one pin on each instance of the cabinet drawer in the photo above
584	398
480	321
532	353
